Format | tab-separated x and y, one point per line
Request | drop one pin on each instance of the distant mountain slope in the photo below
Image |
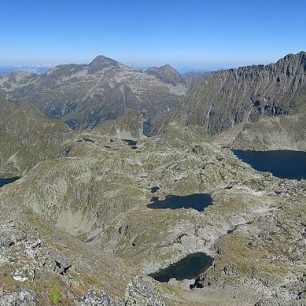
277	133
27	137
29	69
195	78
229	97
167	74
85	95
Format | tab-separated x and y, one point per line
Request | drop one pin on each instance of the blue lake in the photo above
5	181
187	268
281	163
197	201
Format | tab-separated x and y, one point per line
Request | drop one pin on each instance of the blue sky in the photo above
183	33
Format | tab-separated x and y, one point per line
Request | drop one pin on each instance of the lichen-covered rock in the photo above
99	299
24	297
140	292
23	274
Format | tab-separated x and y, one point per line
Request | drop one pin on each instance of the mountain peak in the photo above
166	67
295	61
166	73
101	62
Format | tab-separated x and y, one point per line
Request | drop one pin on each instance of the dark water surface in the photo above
283	163
187	268
130	142
4	181
197	201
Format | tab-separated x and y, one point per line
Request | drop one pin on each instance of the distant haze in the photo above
33	69
197	34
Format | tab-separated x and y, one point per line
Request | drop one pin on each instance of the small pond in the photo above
197	201
187	268
281	163
5	181
131	143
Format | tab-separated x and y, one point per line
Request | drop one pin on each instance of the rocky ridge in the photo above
227	98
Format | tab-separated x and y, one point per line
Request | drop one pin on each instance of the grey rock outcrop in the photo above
24	297
140	292
233	96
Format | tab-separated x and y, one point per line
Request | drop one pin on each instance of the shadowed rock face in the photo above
86	95
128	126
230	97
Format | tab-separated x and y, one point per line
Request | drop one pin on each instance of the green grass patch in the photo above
55	294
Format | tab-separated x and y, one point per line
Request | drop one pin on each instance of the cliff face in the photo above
229	97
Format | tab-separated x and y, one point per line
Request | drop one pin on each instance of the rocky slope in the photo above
278	133
97	194
129	126
27	137
230	97
167	74
85	95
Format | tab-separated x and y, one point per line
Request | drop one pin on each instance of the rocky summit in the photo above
167	74
144	202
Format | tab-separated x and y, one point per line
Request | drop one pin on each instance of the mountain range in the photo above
86	95
29	69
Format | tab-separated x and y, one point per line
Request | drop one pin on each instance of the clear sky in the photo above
183	33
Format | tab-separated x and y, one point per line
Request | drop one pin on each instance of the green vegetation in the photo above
55	294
